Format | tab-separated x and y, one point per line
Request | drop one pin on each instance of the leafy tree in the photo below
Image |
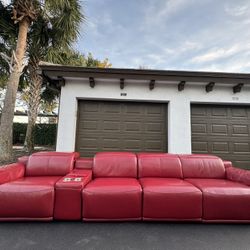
44	27
24	12
35	92
75	58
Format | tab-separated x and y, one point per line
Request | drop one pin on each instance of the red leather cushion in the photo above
50	163
23	160
11	172
202	166
159	165
227	164
238	175
84	163
170	199
115	164
223	199
112	199
28	197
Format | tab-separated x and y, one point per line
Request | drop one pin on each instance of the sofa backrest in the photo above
50	163
202	166
115	164
84	163
159	165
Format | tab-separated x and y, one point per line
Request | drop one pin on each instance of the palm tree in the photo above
44	27
55	30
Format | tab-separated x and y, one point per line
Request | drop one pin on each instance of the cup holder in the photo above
74	179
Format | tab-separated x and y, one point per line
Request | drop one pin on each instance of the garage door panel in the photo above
243	164
121	126
133	109
110	109
199	128
240	112
241	130
111	125
242	147
90	125
90	108
213	129
200	147
220	147
199	111
132	127
132	144
221	112
223	131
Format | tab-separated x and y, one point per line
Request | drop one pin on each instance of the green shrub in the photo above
45	134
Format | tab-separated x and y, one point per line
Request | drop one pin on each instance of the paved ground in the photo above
127	235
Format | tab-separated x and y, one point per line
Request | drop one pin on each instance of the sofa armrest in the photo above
11	172
238	175
227	164
23	160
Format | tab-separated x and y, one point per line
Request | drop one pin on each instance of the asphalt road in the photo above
126	235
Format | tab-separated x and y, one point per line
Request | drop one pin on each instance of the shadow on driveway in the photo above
125	235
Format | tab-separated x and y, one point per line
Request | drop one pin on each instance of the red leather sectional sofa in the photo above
124	186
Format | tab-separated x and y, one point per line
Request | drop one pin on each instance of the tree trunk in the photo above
34	93
6	124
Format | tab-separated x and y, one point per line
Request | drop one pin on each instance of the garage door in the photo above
121	126
222	131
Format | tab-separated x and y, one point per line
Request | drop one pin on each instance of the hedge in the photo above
45	134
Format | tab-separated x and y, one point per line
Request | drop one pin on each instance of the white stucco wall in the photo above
179	103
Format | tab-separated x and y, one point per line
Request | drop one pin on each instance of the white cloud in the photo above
172	6
237	10
220	53
157	12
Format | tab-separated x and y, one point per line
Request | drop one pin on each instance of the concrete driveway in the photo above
127	235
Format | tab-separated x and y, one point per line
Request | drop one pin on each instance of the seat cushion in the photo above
202	166
159	165
28	197
170	199
115	164
224	199
112	199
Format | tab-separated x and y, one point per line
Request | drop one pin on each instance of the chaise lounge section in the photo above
224	200
27	192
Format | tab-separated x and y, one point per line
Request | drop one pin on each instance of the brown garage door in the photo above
121	126
222	131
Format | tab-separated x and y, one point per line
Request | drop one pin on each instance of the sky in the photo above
199	35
